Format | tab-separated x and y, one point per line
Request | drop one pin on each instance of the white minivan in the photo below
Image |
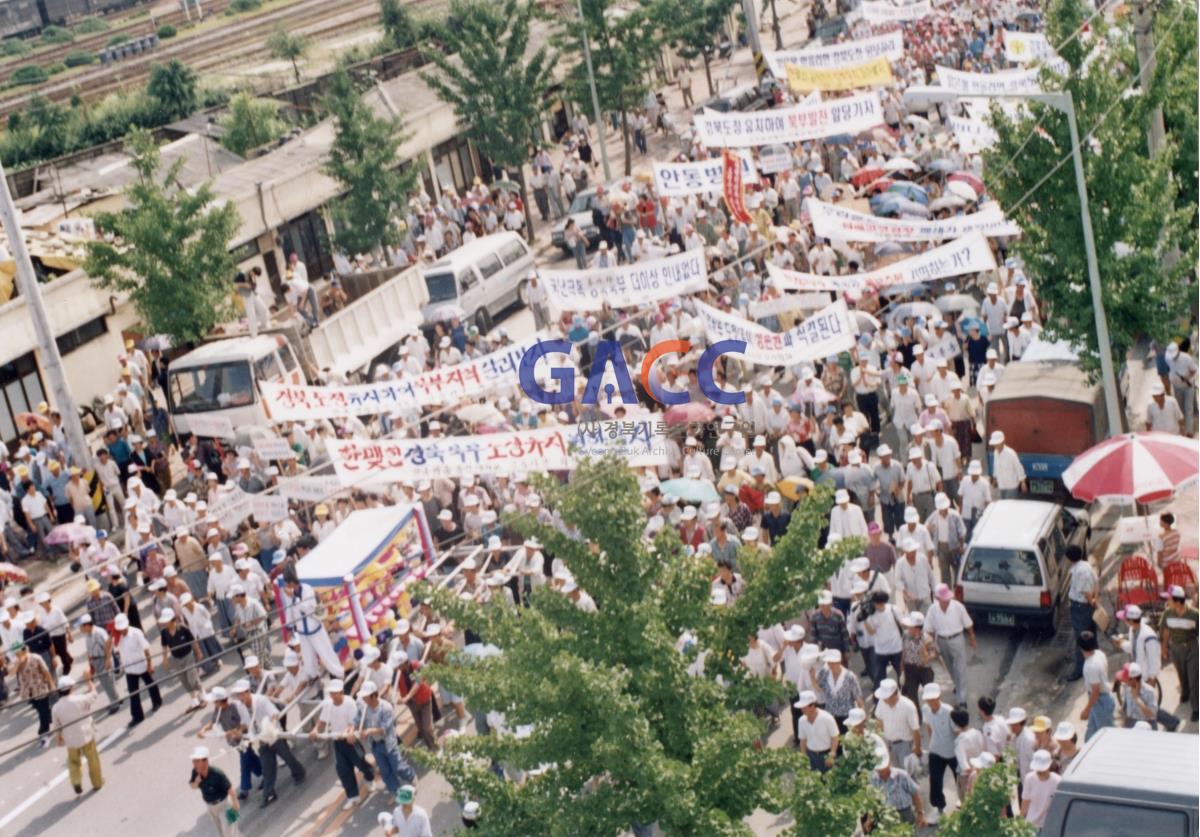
1014	572
479	279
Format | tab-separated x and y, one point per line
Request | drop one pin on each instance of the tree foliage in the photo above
289	46
836	801
624	41
696	27
173	86
250	123
622	733
365	160
170	252
400	28
983	810
1138	211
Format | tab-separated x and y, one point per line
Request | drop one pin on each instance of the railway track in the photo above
222	45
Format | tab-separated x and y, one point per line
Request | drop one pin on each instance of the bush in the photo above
79	58
91	25
57	35
29	74
239	6
118	39
56	68
15	46
167	31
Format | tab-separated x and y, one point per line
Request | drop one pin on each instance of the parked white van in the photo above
479	279
1014	572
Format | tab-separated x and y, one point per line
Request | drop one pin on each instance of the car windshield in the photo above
219	386
1013	567
582	203
441	287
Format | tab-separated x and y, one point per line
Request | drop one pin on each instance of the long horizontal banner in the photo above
838	222
973	135
361	462
627	284
989	84
969	254
825	333
882	11
877	71
681	179
889	46
850	115
296	402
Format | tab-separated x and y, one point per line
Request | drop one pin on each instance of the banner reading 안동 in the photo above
838	222
877	71
969	254
850	115
627	284
889	46
695	178
826	332
297	402
364	462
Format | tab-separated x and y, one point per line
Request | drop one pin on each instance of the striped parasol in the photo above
1134	468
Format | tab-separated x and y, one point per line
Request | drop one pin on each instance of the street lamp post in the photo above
587	57
1061	100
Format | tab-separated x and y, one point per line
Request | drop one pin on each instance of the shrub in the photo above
240	6
117	39
91	25
57	35
56	68
167	31
29	74
15	47
79	58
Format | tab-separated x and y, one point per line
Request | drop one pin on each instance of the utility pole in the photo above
756	50
587	57
1143	40
51	360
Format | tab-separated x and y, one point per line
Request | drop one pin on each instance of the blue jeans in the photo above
817	761
1101	715
392	768
249	765
1081	620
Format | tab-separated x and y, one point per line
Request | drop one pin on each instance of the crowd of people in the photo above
892	426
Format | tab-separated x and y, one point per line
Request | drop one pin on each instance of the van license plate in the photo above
1041	486
1005	619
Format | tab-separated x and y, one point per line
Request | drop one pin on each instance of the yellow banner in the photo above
808	79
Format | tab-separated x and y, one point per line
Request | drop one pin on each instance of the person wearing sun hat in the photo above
408	818
1178	631
1139	701
217	792
1038	787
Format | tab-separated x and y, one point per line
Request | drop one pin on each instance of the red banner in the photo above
731	179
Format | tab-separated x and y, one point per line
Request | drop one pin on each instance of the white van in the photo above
1014	572
480	279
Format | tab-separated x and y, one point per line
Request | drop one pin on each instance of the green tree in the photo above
250	123
495	81
400	30
288	46
1175	86
697	26
1138	212
626	735
983	810
51	122
170	251
173	86
365	160
624	41
835	801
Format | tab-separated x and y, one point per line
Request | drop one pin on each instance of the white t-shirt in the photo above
819	733
132	648
34	505
886	638
1039	792
338	718
953	620
1095	673
415	824
1165	418
899	721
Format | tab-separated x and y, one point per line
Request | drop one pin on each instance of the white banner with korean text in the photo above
889	46
969	254
703	176
833	221
293	402
973	135
1027	47
364	462
826	332
628	284
989	84
849	115
881	11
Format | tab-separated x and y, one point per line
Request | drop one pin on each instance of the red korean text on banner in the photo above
735	196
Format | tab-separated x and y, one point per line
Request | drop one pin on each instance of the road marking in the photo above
55	782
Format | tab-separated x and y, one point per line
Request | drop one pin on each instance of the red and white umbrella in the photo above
1134	468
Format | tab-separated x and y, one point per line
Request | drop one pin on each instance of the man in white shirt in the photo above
409	819
846	519
339	717
914	578
1163	412
818	733
72	717
300	615
136	661
1037	788
1007	470
900	724
923	481
886	640
947	620
1183	383
975	493
258	714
